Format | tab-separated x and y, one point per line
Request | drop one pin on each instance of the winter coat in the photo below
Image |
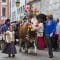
9	36
49	27
40	29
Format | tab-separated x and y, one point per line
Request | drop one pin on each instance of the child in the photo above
10	48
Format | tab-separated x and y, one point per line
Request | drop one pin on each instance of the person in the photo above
9	48
58	33
1	35
55	40
5	27
49	31
40	28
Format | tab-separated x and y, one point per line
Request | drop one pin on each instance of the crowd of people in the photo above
8	39
48	34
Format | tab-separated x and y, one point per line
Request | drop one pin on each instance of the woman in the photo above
58	34
40	38
9	40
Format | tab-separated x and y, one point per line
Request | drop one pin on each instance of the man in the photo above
49	31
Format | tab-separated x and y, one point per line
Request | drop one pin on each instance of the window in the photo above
13	3
3	11
21	9
3	0
14	16
18	11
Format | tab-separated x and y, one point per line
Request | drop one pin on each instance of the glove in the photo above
51	34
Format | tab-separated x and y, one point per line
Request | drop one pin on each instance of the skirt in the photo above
58	37
59	40
40	43
9	49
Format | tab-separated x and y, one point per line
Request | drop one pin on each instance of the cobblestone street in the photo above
42	55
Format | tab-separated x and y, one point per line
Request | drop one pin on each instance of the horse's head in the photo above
31	31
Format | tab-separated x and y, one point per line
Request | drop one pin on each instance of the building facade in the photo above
54	7
51	6
13	10
4	10
46	6
42	6
22	9
17	13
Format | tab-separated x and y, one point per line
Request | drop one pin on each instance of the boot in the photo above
13	55
9	55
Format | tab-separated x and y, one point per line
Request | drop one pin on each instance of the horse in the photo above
27	37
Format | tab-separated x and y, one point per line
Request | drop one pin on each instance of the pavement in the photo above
41	55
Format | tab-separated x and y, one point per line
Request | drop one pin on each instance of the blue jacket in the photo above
4	28
49	28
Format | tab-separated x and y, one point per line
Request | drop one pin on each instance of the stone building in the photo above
4	10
